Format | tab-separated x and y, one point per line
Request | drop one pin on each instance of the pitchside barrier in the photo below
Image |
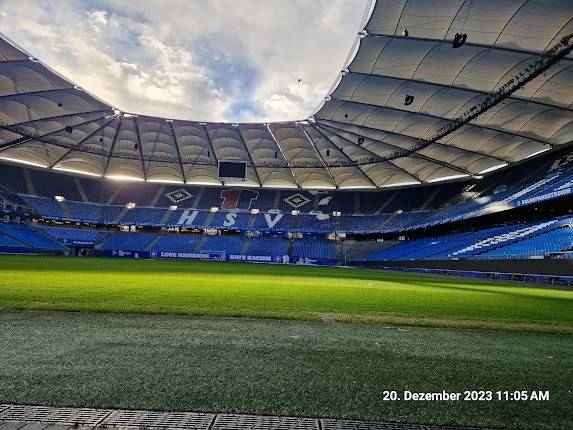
17	250
552	271
524	277
216	256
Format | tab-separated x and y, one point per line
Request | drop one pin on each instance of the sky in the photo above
206	60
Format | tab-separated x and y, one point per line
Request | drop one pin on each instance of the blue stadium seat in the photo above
176	242
128	241
264	245
31	237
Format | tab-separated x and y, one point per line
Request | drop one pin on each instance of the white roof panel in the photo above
381	125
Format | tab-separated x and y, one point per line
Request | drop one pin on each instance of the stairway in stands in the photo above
66	209
245	245
199	245
120	215
151	244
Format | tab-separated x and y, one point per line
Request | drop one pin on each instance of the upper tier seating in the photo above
318	222
48	208
143	216
230	220
104	201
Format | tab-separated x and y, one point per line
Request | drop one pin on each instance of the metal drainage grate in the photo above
54	415
179	420
16	425
254	422
435	427
363	425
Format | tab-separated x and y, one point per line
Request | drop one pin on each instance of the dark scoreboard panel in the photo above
233	169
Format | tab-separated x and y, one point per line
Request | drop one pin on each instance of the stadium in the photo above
402	258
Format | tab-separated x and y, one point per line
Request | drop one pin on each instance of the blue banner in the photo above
219	256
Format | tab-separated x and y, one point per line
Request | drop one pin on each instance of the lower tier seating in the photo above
519	241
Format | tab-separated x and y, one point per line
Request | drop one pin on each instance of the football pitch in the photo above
275	291
266	339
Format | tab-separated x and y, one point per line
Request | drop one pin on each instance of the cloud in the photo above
210	60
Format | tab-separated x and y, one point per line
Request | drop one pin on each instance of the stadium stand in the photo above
47	208
227	244
313	247
127	241
517	241
30	237
541	239
70	235
143	216
268	245
371	171
175	242
86	212
545	185
7	241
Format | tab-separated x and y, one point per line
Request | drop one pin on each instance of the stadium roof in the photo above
410	108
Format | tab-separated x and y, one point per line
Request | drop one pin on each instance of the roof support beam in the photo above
249	154
340	149
81	142
373	153
429	39
49	118
318	153
445	145
486	127
173	135
508	21
34	93
210	143
27	137
283	154
440	87
393	157
140	147
109	155
543	63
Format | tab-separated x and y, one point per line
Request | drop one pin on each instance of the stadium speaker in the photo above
408	100
328	152
459	40
69	129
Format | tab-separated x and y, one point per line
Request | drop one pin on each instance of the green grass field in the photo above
272	291
317	341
